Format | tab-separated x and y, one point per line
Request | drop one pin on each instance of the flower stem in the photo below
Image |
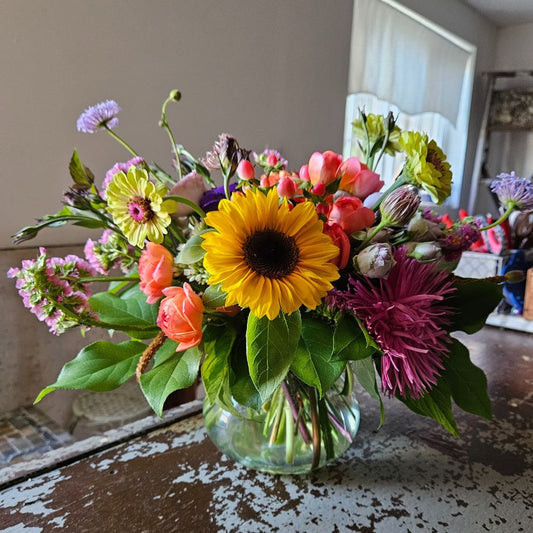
398	182
503	218
108	278
315	422
173	97
289	434
181	200
301	423
121	141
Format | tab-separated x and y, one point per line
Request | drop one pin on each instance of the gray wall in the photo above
271	72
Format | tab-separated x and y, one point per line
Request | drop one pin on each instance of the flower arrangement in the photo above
274	285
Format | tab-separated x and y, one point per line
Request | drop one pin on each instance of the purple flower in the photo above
513	191
460	237
406	314
211	198
98	116
108	252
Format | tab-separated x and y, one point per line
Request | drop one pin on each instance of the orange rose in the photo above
341	241
155	270
180	316
350	214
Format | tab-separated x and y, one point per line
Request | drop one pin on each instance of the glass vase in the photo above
295	432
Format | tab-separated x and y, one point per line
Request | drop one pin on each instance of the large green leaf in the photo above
350	342
474	300
467	382
124	313
313	362
365	372
175	373
218	343
214	297
241	385
436	404
101	366
270	349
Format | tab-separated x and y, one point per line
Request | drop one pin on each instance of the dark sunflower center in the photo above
140	209
271	253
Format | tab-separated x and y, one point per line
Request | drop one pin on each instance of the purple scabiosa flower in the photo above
211	198
513	191
406	314
51	289
428	214
459	237
99	116
115	169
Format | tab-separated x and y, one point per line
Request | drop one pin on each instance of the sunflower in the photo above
137	206
267	256
426	165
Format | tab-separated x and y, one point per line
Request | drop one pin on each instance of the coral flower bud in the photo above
180	316
375	261
155	271
400	206
350	214
286	187
323	167
245	170
341	241
304	173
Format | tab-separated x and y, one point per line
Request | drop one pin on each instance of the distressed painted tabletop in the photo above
408	477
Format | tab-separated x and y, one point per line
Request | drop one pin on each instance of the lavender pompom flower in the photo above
513	191
102	115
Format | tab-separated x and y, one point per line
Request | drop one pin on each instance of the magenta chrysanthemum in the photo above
98	116
406	314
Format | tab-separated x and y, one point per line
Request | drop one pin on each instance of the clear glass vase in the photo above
295	432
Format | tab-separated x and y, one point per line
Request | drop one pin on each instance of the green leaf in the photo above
350	342
436	404
218	343
365	372
241	385
192	250
175	373
79	172
270	349
467	382
120	311
214	297
313	363
101	366
475	300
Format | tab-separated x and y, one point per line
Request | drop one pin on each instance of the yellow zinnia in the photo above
266	256
426	165
137	207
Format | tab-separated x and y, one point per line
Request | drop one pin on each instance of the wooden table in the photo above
408	477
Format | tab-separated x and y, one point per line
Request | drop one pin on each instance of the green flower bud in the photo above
400	206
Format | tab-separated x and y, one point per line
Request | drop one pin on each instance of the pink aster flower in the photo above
406	314
115	169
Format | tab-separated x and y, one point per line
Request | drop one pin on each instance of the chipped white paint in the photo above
21	528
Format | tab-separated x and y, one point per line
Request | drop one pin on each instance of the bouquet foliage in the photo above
275	277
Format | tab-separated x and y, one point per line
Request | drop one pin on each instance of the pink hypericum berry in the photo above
286	187
272	160
245	170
